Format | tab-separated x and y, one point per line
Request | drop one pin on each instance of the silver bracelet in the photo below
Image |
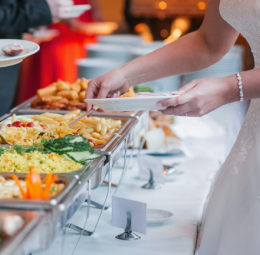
240	86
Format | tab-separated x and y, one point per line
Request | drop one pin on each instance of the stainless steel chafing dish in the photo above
60	208
141	125
114	148
25	107
18	231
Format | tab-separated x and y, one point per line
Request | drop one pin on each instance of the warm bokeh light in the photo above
143	30
164	33
201	5
179	27
177	33
162	5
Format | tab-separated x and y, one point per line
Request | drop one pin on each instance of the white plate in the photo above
158	216
29	49
129	104
74	11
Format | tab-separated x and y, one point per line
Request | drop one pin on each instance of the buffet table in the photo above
183	193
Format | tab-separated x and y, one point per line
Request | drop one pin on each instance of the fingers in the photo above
178	110
185	88
90	93
178	100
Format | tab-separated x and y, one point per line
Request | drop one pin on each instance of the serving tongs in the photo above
82	117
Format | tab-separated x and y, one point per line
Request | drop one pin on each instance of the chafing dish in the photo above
60	208
18	231
25	107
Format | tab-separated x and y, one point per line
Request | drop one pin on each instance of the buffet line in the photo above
48	168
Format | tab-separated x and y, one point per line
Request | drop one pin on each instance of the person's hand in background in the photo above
58	8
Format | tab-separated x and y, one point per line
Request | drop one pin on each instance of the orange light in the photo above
201	5
164	33
177	33
162	5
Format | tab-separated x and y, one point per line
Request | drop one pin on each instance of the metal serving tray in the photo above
59	209
112	146
24	239
35	204
25	107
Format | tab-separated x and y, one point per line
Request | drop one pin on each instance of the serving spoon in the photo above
3	140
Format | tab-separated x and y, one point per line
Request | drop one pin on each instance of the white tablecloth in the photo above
183	194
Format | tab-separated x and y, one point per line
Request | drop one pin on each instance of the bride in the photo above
231	224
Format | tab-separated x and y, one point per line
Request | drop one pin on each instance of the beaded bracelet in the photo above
240	86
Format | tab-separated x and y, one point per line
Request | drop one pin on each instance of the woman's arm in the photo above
190	53
202	96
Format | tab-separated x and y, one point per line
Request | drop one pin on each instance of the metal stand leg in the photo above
128	235
132	151
98	205
151	184
83	231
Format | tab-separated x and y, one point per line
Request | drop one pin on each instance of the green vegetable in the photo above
73	147
2	150
142	88
82	156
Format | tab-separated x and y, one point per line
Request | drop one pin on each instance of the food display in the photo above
25	130
61	155
31	187
13	49
159	120
18	159
62	95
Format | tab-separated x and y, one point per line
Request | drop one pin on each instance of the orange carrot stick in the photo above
15	178
47	186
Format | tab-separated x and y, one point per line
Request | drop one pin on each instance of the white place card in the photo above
147	163
120	208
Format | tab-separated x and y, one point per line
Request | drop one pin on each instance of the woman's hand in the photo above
202	96
106	85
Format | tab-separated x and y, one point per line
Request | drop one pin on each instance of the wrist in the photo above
122	71
232	90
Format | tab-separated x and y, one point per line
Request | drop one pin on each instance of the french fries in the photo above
51	125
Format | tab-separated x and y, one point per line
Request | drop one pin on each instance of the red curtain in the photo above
55	60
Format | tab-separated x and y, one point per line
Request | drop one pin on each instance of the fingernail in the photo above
159	105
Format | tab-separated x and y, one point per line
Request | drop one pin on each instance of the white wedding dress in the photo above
231	222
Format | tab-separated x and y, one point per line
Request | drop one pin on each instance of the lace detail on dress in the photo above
244	16
246	138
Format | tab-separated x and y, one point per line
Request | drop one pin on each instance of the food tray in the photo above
58	210
25	107
24	239
112	145
29	204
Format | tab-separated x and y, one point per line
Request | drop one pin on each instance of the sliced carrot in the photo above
15	178
30	189
47	188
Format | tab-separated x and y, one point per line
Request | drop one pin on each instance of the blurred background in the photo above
155	23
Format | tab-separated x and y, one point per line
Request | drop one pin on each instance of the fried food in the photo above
46	92
62	96
82	95
27	131
62	86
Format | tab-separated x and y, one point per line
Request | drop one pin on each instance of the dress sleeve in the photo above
17	16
